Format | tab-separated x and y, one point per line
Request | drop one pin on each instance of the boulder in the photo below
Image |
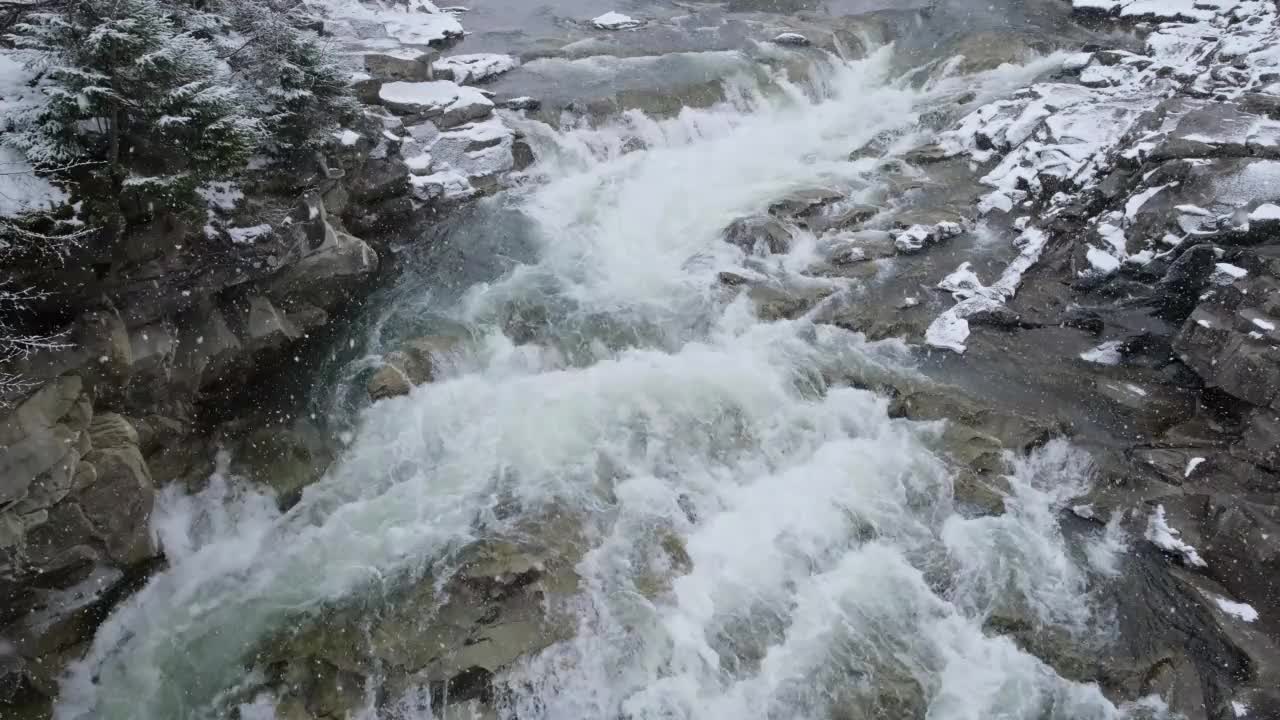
207	347
284	457
39	438
1241	546
119	503
324	277
801	203
264	326
1227	349
1260	441
483	608
379	179
1178	292
442	101
759	235
402	64
415	363
66	546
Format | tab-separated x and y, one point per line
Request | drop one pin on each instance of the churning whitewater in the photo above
829	573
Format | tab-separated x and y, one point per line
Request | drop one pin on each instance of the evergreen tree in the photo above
294	84
135	95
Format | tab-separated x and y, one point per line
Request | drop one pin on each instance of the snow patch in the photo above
1192	464
1166	538
409	22
21	189
348	138
221	195
474	68
246	236
1265	213
1244	611
950	330
1102	261
1108	353
1226	273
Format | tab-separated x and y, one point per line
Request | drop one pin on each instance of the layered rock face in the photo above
178	317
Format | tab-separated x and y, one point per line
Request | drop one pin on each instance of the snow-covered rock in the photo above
950	330
411	22
917	237
790	38
616	21
444	101
474	68
458	163
1160	534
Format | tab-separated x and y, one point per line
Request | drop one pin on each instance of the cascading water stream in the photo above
829	572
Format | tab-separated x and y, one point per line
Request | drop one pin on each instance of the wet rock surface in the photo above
1132	309
1094	257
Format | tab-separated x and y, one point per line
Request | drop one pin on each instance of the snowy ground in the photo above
21	190
1057	136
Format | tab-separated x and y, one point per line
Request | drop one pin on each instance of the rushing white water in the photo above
831	575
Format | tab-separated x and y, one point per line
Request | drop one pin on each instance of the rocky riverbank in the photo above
1115	280
1092	257
182	339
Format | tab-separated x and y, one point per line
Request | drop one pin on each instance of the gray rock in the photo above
1218	346
119	502
415	363
265	327
36	437
112	431
1241	545
207	347
759	235
326	275
802	203
380	179
1178	292
1220	130
286	458
1260	442
405	64
493	603
916	238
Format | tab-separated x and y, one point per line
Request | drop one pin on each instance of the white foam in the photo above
812	515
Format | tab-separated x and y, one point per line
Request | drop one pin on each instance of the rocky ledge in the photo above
1096	256
1109	237
169	329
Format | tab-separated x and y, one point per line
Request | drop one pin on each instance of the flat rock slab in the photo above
453	104
1221	130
